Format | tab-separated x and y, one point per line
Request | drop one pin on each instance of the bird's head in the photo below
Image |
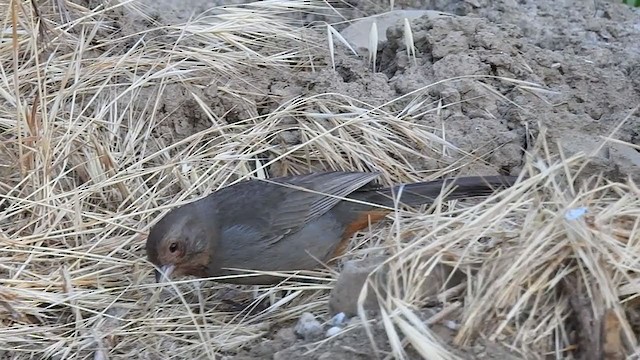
179	244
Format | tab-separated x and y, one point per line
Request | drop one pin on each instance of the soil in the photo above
585	54
353	343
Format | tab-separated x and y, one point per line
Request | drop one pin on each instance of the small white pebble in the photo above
333	331
452	325
338	319
574	214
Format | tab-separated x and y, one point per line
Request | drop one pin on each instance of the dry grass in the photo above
536	267
88	162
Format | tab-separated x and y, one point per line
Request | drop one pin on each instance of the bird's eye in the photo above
173	247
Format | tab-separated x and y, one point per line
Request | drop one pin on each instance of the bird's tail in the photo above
427	192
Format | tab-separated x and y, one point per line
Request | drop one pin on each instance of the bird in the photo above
287	223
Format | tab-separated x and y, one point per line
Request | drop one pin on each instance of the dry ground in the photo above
112	112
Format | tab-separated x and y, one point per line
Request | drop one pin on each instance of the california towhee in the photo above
268	225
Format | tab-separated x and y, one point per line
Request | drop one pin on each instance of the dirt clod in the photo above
308	327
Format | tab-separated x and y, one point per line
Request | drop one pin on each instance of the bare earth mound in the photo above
111	113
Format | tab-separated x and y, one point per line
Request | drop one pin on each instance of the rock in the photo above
452	325
286	336
612	161
345	293
334	330
573	143
626	157
308	327
339	319
440	278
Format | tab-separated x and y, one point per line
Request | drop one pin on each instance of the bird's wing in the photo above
281	206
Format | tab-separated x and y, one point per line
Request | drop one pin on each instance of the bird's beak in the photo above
165	271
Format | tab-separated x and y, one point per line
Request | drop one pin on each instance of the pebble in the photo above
452	325
334	330
338	319
286	335
346	291
308	327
